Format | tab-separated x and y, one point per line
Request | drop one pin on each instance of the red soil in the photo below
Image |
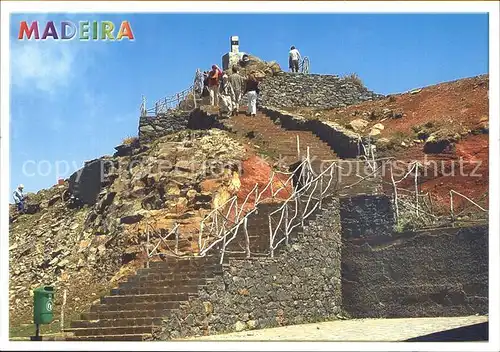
459	107
462	102
465	171
257	171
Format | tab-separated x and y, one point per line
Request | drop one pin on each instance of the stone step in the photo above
128	337
119	330
162	283
155	290
184	270
144	298
174	277
118	322
123	306
196	263
128	313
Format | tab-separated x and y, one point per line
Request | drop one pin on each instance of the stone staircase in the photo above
136	307
277	141
133	309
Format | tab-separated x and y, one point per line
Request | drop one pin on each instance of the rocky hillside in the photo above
85	249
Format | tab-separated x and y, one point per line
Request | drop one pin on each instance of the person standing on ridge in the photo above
293	59
238	84
213	85
198	81
252	89
19	198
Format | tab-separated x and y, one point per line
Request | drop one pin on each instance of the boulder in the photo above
239	326
131	219
358	125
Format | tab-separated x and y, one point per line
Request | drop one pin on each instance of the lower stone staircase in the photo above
137	306
132	310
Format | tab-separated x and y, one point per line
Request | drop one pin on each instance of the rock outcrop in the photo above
85	248
262	69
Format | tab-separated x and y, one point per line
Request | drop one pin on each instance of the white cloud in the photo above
46	66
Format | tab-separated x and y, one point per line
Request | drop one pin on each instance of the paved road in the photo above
352	330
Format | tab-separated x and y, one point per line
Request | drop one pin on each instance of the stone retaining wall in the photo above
302	284
151	128
443	272
366	216
312	90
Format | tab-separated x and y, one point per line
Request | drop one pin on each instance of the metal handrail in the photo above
452	209
168	103
304	65
163	239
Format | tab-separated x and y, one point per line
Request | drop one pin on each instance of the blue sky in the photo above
74	101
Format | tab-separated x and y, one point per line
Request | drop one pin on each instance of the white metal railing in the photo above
304	65
221	225
150	229
220	228
452	206
178	101
301	209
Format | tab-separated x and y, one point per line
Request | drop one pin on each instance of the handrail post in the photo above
271	249
199	238
177	241
286	224
320	192
247	238
223	243
395	195
451	209
194	97
298	146
416	186
147	246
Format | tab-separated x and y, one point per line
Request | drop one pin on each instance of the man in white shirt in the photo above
293	59
19	198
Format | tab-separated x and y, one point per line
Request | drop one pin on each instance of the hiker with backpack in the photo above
214	77
238	84
227	95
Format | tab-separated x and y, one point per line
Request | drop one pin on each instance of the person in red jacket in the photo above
214	77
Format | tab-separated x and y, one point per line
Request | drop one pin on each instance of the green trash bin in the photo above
43	305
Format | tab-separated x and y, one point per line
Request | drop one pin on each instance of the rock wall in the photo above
301	285
151	128
286	89
366	216
443	272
